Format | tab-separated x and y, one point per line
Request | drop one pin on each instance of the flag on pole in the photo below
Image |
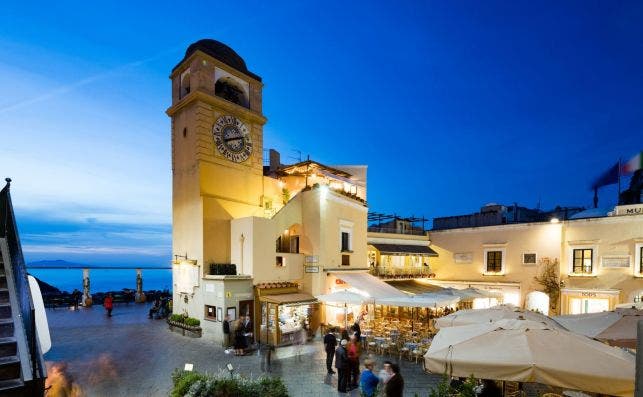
634	164
609	177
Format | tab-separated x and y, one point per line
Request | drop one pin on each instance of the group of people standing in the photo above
347	356
242	332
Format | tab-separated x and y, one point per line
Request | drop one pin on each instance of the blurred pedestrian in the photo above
368	380
330	342
395	385
341	363
353	351
226	331
108	303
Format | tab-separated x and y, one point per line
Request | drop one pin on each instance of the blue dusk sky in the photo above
450	104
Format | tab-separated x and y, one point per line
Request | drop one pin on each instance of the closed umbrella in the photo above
617	327
530	351
500	312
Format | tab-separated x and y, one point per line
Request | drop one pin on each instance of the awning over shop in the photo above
280	299
414	286
404	249
368	284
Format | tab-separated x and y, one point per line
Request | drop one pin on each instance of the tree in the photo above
548	277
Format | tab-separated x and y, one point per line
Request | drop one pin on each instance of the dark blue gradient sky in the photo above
450	104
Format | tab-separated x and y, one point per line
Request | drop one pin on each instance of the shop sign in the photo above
312	269
589	294
615	261
634	209
463	257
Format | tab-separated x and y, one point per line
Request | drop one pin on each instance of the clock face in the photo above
232	139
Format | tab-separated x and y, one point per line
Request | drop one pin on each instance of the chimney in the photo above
275	161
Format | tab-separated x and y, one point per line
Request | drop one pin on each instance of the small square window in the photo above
529	258
280	261
346	260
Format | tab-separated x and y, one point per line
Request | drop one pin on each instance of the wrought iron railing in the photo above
9	231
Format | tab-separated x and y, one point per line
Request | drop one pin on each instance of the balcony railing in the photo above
413	232
402	272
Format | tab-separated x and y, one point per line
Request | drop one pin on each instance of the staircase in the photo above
22	370
11	383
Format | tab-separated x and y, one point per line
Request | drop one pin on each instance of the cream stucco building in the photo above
600	261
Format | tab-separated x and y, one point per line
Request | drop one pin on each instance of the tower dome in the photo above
220	52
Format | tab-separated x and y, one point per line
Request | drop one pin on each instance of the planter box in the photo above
185	330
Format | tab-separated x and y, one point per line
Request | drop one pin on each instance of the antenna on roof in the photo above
297	157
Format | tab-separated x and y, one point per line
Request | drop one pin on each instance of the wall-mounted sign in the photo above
312	269
209	288
615	261
245	295
463	257
312	259
228	294
634	209
589	294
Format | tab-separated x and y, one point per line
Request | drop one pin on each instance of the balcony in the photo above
392	273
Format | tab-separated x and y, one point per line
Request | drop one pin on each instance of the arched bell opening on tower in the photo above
184	87
230	90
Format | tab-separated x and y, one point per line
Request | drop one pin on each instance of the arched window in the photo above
230	90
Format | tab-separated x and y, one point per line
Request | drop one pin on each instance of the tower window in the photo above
184	84
185	132
227	89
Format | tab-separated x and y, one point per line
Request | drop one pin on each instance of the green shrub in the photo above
183	380
444	388
177	318
194	384
192	322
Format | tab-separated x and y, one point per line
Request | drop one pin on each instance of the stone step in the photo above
12	387
5	310
8	346
6	327
9	367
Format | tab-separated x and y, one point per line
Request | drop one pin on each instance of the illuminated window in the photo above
583	261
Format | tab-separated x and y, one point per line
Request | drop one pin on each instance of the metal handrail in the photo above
23	292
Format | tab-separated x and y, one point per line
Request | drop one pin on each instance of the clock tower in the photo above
217	150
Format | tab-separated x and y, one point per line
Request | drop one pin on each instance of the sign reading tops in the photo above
634	209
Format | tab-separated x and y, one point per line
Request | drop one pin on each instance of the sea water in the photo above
103	280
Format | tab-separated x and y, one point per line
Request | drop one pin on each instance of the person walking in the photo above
75	296
330	342
395	385
368	381
353	352
226	331
385	373
341	363
108	303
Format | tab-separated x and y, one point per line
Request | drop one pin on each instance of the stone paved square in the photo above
130	355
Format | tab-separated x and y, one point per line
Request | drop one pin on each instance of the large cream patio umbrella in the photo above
343	299
529	351
617	327
500	312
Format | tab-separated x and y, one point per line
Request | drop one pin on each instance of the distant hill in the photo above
54	263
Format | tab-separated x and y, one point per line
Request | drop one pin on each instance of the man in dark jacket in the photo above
342	365
395	385
226	331
330	342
